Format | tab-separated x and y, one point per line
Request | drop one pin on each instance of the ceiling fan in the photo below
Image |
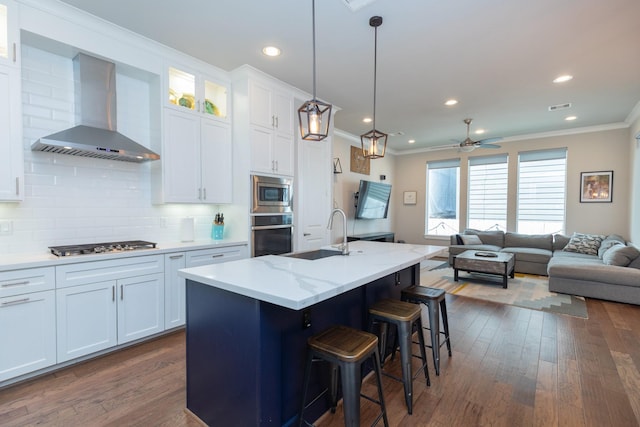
468	144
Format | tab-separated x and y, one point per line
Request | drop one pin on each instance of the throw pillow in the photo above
620	255
584	243
635	263
470	239
606	244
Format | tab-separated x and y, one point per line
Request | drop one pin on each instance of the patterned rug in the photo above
525	290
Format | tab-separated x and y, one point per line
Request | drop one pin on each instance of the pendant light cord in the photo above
313	29
375	67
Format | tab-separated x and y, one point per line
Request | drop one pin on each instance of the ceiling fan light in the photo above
315	118
467	148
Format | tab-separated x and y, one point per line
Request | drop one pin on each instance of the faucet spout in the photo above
345	243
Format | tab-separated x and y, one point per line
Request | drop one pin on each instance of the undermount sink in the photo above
317	254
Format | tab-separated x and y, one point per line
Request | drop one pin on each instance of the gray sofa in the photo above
609	269
532	252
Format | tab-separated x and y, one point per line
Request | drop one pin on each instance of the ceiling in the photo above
496	57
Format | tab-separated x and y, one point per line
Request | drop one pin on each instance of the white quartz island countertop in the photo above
299	283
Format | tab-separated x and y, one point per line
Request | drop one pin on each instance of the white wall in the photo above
590	151
346	184
634	160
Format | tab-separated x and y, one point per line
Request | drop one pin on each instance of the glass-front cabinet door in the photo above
8	33
191	91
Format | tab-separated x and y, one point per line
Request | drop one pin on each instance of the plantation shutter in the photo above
487	202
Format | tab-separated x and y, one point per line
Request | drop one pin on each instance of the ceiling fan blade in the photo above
489	146
488	140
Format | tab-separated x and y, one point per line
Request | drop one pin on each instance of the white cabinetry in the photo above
104	303
264	117
197	159
196	148
9	33
11	160
27	321
175	286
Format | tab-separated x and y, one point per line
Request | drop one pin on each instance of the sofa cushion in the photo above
609	241
635	263
541	256
584	243
539	241
592	270
620	255
566	254
560	241
494	237
470	239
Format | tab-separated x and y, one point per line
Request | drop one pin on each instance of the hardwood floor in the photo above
510	367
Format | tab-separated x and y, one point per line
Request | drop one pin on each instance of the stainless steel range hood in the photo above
95	102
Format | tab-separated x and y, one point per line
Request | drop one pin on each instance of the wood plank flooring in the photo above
510	367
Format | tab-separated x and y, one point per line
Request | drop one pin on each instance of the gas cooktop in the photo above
100	248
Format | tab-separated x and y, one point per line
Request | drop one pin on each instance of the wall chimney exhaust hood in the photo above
96	134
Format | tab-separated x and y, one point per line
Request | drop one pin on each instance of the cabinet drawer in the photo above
215	256
99	271
16	282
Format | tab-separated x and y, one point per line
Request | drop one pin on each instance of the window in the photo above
487	203
542	177
443	184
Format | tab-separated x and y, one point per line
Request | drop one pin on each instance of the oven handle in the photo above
270	227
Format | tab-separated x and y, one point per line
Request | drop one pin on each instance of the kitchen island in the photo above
248	322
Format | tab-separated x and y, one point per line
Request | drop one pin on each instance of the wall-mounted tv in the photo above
373	200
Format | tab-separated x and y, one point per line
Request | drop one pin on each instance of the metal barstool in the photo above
436	303
346	349
404	316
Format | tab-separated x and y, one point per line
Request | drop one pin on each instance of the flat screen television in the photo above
373	200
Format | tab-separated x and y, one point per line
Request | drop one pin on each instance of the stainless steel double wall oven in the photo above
271	215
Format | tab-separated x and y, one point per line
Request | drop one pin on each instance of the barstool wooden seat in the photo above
404	316
345	349
436	303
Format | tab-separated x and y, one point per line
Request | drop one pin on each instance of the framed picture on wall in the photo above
410	197
596	187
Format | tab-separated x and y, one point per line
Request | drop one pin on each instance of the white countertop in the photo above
298	283
46	259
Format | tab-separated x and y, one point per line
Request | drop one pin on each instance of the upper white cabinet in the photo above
195	92
264	119
11	160
197	153
9	33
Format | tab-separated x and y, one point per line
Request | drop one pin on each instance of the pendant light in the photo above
374	142
314	115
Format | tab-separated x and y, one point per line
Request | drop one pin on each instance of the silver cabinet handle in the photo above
8	285
277	122
15	57
217	256
199	193
306	234
176	256
273	121
121	292
113	293
204	192
18	301
277	165
198	103
17	185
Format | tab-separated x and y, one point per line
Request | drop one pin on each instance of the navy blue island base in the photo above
246	357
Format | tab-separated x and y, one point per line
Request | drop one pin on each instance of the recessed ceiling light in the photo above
570	118
271	51
563	78
367	120
480	131
412	141
451	102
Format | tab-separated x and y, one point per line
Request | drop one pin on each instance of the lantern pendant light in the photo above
314	115
374	142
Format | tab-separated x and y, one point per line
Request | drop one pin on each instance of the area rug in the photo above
525	290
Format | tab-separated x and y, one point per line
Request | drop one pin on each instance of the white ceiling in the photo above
497	57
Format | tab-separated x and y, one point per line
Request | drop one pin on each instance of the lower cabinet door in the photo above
174	291
27	333
140	307
86	319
